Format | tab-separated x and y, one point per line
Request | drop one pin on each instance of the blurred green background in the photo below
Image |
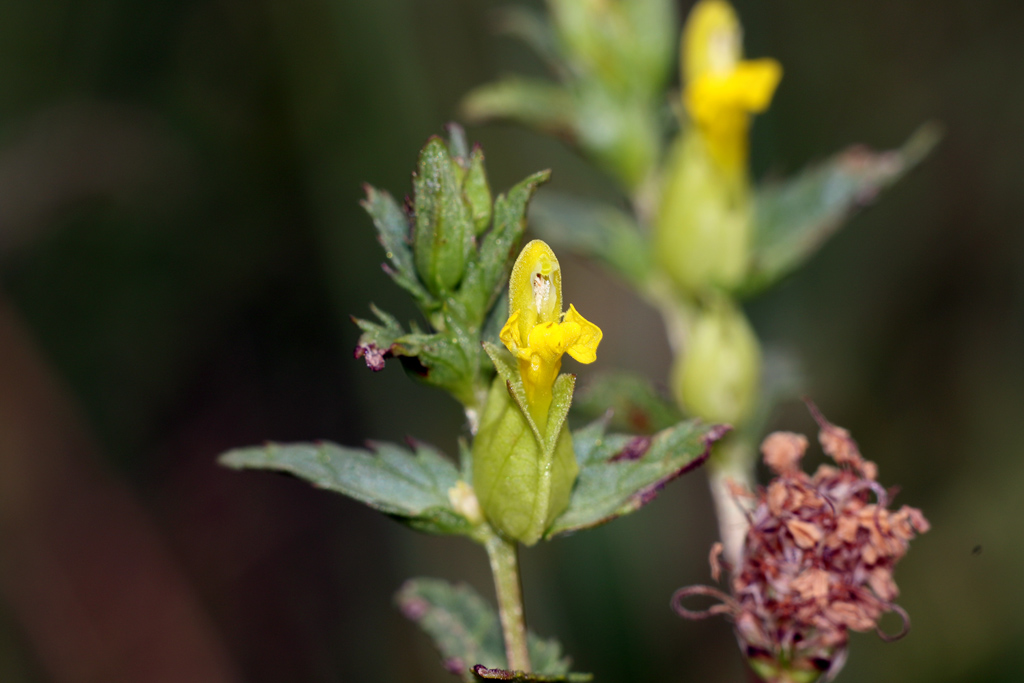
182	246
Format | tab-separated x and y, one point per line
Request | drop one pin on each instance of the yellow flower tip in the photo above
535	312
535	287
721	105
712	40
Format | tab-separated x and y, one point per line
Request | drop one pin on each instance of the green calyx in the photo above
703	231
717	376
522	476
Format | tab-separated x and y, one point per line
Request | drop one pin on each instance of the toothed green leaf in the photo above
411	486
619	474
395	232
795	217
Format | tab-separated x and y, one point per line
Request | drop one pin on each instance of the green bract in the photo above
444	227
703	231
477	192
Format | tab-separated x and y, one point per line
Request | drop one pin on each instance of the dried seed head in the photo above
818	558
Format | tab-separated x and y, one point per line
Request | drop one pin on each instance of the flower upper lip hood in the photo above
537	332
722	89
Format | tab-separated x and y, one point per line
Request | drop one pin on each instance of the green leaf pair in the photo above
618	474
794	218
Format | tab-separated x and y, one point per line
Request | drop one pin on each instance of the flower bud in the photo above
478	191
444	228
716	377
712	40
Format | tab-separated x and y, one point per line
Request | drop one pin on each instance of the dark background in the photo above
181	247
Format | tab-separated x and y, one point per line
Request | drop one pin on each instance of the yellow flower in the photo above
722	89
537	332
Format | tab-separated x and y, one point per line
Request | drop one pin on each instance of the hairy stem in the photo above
732	462
504	559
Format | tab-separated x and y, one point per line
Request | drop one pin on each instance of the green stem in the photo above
504	559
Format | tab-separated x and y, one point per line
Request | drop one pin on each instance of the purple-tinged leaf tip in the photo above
414	609
454	665
374	356
649	493
493	674
716	433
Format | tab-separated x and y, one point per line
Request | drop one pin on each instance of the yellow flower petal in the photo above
509	336
753	84
746	89
549	341
721	89
584	347
721	105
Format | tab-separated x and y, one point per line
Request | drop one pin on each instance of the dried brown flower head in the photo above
817	560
